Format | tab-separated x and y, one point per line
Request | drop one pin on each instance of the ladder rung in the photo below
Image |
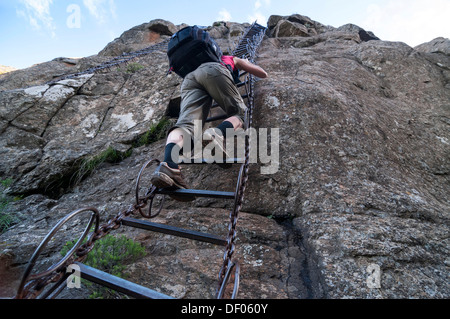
196	193
175	231
124	286
210	161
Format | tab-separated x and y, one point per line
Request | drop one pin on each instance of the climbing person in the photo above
211	78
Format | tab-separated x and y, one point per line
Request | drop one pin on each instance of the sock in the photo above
168	155
223	127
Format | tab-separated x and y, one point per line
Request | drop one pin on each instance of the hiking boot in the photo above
211	136
170	178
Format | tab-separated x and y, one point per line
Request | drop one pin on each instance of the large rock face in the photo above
365	159
358	207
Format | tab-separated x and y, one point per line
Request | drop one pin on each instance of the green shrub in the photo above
110	254
134	67
156	132
6	219
88	165
6	182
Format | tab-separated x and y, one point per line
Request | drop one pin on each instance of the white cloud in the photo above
258	17
411	21
260	3
224	15
101	10
113	9
37	13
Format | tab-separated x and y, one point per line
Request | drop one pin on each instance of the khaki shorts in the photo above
210	81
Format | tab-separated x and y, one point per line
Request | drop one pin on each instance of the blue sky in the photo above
35	31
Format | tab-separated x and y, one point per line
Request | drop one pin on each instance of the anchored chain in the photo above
121	59
249	44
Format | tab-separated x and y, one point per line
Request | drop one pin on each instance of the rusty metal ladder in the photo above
32	286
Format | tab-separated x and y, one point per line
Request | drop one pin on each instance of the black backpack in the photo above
189	48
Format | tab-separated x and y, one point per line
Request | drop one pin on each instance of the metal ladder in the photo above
32	286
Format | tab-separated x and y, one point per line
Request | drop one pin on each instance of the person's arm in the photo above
251	68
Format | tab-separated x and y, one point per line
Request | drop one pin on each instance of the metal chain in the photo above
251	43
121	59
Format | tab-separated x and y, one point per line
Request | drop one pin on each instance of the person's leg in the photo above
219	84
233	122
195	104
236	122
174	144
215	139
176	136
168	173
